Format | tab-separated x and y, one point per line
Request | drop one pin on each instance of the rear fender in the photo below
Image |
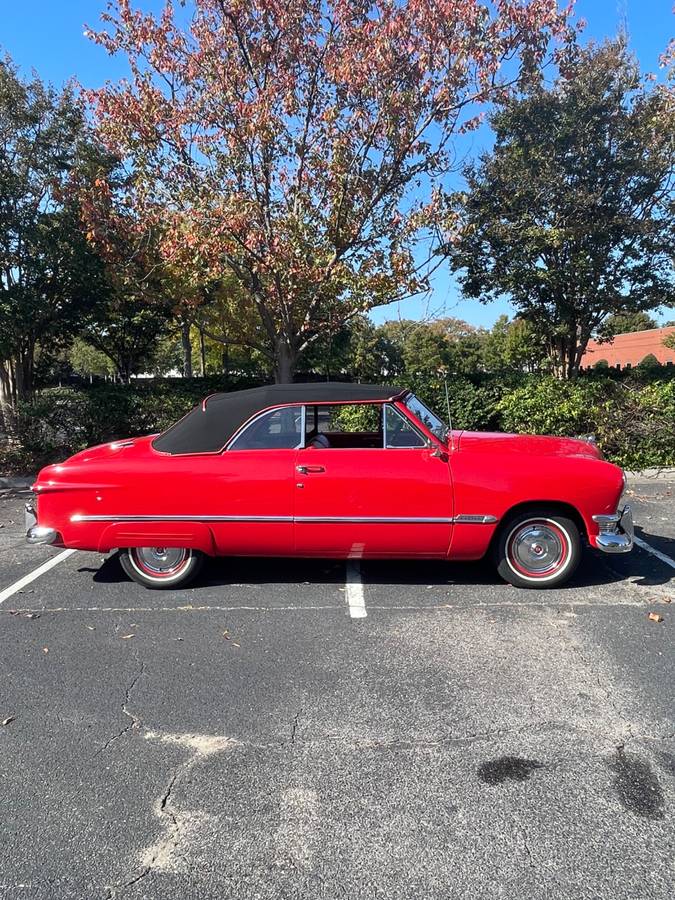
195	535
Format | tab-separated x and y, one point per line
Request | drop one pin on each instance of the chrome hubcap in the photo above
537	548
161	560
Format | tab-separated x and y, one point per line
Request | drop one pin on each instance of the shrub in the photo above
544	405
633	417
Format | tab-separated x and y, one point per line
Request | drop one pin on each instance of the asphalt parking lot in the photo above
304	729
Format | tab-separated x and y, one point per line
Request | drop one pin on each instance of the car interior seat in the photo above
319	440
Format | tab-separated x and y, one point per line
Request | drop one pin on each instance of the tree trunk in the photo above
187	349
285	360
7	399
16	383
202	353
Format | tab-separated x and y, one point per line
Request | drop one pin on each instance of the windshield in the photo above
435	425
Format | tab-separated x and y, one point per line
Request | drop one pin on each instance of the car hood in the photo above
530	444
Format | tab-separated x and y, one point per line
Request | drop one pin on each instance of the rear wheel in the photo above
538	548
161	567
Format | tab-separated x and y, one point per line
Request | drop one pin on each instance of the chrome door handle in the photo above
309	470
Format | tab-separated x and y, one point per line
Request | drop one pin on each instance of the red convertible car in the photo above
332	470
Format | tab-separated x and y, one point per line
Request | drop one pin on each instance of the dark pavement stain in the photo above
637	786
515	768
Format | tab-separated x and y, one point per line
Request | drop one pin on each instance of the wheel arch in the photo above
193	535
560	506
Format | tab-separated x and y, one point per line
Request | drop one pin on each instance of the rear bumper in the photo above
616	532
37	534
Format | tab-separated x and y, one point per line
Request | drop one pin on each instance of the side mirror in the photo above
439	453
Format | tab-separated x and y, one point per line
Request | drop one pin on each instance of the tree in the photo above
87	361
513	346
421	349
126	329
296	146
649	363
138	294
622	323
47	271
570	215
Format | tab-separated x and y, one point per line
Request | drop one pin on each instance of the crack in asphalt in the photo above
294	726
175	824
134	721
171	840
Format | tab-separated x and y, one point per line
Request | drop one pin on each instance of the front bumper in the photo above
37	534
616	532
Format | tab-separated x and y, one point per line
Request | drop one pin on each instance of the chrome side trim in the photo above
475	520
162	518
432	520
394	520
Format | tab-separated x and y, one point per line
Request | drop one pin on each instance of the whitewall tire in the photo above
161	567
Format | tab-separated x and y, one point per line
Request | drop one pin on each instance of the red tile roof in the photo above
630	348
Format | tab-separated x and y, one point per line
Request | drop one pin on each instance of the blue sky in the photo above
48	36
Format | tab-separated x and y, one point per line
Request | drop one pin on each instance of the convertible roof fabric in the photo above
209	426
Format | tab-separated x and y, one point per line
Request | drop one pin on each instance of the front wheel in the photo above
538	548
161	567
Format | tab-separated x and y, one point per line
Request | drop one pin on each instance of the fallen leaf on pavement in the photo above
655	617
7	720
226	635
45	649
125	637
235	644
667	600
90	627
32	615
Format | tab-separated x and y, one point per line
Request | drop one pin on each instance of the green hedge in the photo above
633	418
61	421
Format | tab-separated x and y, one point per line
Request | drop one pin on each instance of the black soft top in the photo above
209	426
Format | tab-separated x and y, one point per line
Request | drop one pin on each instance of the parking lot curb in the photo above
664	474
13	483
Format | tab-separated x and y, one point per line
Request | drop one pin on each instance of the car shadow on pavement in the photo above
274	570
650	571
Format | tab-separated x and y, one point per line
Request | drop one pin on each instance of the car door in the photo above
391	500
251	493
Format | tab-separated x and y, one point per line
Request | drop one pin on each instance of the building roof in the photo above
631	348
208	427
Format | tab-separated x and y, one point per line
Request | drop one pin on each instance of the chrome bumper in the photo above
616	532
37	534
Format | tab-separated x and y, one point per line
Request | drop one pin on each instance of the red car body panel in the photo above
294	502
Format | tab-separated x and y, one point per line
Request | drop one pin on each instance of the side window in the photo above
279	429
344	418
398	432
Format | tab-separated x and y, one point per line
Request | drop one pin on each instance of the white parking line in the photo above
654	552
354	591
45	567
